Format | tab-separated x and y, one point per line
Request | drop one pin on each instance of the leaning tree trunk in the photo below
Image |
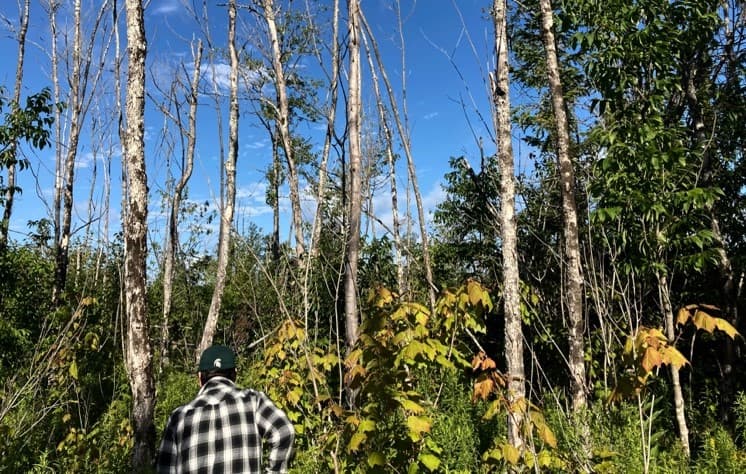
499	89
11	176
355	201
283	124
574	273
400	126
226	213
139	356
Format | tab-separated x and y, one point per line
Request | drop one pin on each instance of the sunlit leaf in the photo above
430	461
376	459
511	453
418	425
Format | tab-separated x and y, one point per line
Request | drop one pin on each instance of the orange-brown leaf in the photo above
651	359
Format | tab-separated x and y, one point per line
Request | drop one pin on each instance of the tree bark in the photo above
574	272
138	355
499	88
664	297
226	213
11	176
354	111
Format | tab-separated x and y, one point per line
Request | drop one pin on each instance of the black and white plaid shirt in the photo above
221	431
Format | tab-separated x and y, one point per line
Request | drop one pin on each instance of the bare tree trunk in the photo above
283	124
78	103
173	220
330	118
226	213
574	273
500	92
390	161
11	177
354	111
139	355
664	297
410	169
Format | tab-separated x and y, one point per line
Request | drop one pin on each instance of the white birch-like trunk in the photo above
283	126
500	93
573	270
226	213
139	355
664	297
354	111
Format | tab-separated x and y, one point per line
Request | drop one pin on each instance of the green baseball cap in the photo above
217	358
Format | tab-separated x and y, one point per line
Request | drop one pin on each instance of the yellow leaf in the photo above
475	292
511	453
704	321
482	387
418	425
366	425
546	435
355	441
682	317
410	405
726	327
74	370
544	458
651	359
672	356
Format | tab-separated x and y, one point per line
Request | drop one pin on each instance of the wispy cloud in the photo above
165	7
431	115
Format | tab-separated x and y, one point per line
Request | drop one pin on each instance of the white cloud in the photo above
165	7
430	116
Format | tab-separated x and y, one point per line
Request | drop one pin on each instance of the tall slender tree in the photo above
187	165
354	209
229	202
500	95
138	357
574	273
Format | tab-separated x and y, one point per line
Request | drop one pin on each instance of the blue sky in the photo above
448	52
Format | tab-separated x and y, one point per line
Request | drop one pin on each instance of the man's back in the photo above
221	431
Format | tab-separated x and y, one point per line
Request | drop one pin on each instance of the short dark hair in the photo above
206	375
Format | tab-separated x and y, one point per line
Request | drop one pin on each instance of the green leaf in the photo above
430	461
376	459
74	370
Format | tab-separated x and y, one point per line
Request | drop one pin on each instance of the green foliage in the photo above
719	454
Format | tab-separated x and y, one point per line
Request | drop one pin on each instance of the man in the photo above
222	429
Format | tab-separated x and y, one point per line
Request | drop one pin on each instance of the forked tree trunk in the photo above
139	356
499	88
172	243
226	213
283	125
13	146
354	110
574	272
